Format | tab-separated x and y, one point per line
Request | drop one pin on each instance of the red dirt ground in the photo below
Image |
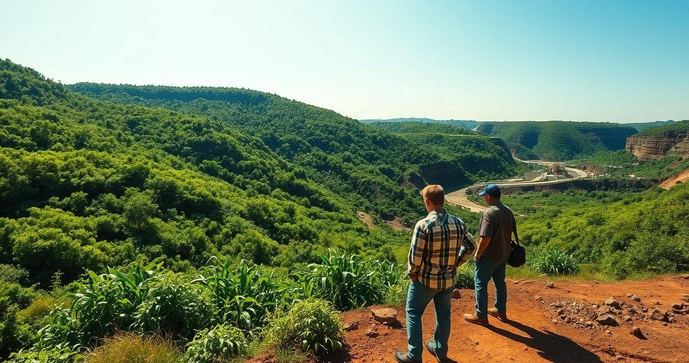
554	324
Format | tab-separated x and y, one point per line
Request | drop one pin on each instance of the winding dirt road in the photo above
460	197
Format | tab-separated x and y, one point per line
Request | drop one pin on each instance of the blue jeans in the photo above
417	299
484	272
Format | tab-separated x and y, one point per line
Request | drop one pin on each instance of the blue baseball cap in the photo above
490	189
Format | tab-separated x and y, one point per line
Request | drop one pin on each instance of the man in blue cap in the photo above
495	234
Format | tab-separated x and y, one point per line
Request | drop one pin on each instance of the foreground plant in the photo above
312	326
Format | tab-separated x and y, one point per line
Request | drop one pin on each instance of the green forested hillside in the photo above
467	124
86	184
364	164
626	234
659	130
485	157
559	140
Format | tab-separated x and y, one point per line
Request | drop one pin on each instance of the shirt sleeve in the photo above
418	245
487	225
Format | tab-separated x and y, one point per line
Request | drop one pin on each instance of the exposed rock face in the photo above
652	147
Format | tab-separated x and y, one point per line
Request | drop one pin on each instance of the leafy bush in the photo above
464	278
348	281
243	295
219	343
107	303
311	325
134	348
553	261
176	306
396	295
54	355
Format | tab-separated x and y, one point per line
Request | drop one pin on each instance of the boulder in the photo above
638	333
607	319
611	302
660	315
386	316
680	308
636	297
351	326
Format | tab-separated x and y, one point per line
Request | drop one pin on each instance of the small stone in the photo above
589	323
554	321
386	316
685	297
627	318
372	332
637	333
351	326
456	294
539	298
657	303
608	332
604	310
607	319
659	315
636	298
612	303
549	285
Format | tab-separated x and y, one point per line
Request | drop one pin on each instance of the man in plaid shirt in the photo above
433	259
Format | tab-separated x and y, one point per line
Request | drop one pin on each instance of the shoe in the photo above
430	345
494	312
474	319
404	358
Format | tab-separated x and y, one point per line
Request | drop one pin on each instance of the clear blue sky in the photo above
619	61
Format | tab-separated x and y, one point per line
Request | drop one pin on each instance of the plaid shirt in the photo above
435	247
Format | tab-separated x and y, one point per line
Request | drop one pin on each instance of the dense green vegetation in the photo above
374	170
673	127
622	164
627	234
559	140
487	158
467	124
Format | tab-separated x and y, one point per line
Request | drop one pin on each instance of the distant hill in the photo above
558	140
641	126
469	124
657	142
366	165
486	157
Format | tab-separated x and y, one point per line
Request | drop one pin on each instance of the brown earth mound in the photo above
629	321
670	182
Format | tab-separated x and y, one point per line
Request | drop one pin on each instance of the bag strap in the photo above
516	235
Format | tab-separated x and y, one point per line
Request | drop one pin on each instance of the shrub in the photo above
223	342
464	278
243	295
348	281
175	306
396	295
134	348
311	325
55	355
101	307
553	261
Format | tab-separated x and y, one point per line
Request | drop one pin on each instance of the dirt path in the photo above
459	197
554	324
670	182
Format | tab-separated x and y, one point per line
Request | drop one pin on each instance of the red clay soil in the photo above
548	324
680	178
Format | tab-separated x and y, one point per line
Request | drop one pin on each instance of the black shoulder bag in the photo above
518	254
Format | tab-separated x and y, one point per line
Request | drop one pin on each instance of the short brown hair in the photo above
434	193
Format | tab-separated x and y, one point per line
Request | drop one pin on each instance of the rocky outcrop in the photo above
652	147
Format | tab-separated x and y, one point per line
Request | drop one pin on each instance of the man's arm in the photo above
485	234
418	245
482	245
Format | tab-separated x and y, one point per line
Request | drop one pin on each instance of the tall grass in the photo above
131	348
348	282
